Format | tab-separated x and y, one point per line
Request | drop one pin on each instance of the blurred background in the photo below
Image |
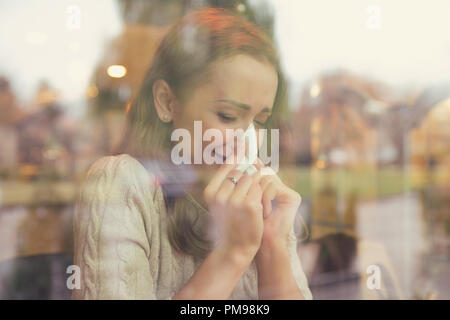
368	145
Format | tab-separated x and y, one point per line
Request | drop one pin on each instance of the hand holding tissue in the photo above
251	152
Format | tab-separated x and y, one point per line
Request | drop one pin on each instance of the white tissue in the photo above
251	152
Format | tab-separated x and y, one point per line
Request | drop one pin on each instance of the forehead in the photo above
246	80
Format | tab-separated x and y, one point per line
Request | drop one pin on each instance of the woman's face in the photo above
240	90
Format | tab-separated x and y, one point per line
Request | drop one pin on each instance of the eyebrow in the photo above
242	105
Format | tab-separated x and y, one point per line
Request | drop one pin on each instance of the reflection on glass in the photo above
364	140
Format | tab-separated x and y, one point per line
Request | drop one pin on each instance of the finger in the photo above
219	177
242	188
255	193
227	186
265	181
254	197
268	195
268	179
267	170
256	178
259	164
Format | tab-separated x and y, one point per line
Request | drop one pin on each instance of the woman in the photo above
136	237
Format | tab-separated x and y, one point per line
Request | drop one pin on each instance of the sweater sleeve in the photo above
112	231
297	269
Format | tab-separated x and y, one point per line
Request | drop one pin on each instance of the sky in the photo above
409	46
40	39
401	43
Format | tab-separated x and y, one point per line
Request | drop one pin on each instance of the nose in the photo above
248	141
245	143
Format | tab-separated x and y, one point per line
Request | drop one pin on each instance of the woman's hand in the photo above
280	205
237	211
276	279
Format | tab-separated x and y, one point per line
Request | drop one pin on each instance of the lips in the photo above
224	158
223	151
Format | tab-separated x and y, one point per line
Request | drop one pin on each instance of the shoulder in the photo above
120	173
114	222
119	165
118	192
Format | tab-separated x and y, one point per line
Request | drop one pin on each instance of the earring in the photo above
165	117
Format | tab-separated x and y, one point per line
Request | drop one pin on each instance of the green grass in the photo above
363	183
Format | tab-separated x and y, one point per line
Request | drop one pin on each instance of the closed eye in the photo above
262	121
226	118
260	124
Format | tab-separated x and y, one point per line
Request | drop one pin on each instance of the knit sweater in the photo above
121	239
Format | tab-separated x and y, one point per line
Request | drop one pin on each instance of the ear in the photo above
164	100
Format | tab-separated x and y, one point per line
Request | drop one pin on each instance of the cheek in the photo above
219	131
222	145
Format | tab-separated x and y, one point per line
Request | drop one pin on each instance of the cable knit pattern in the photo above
121	242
